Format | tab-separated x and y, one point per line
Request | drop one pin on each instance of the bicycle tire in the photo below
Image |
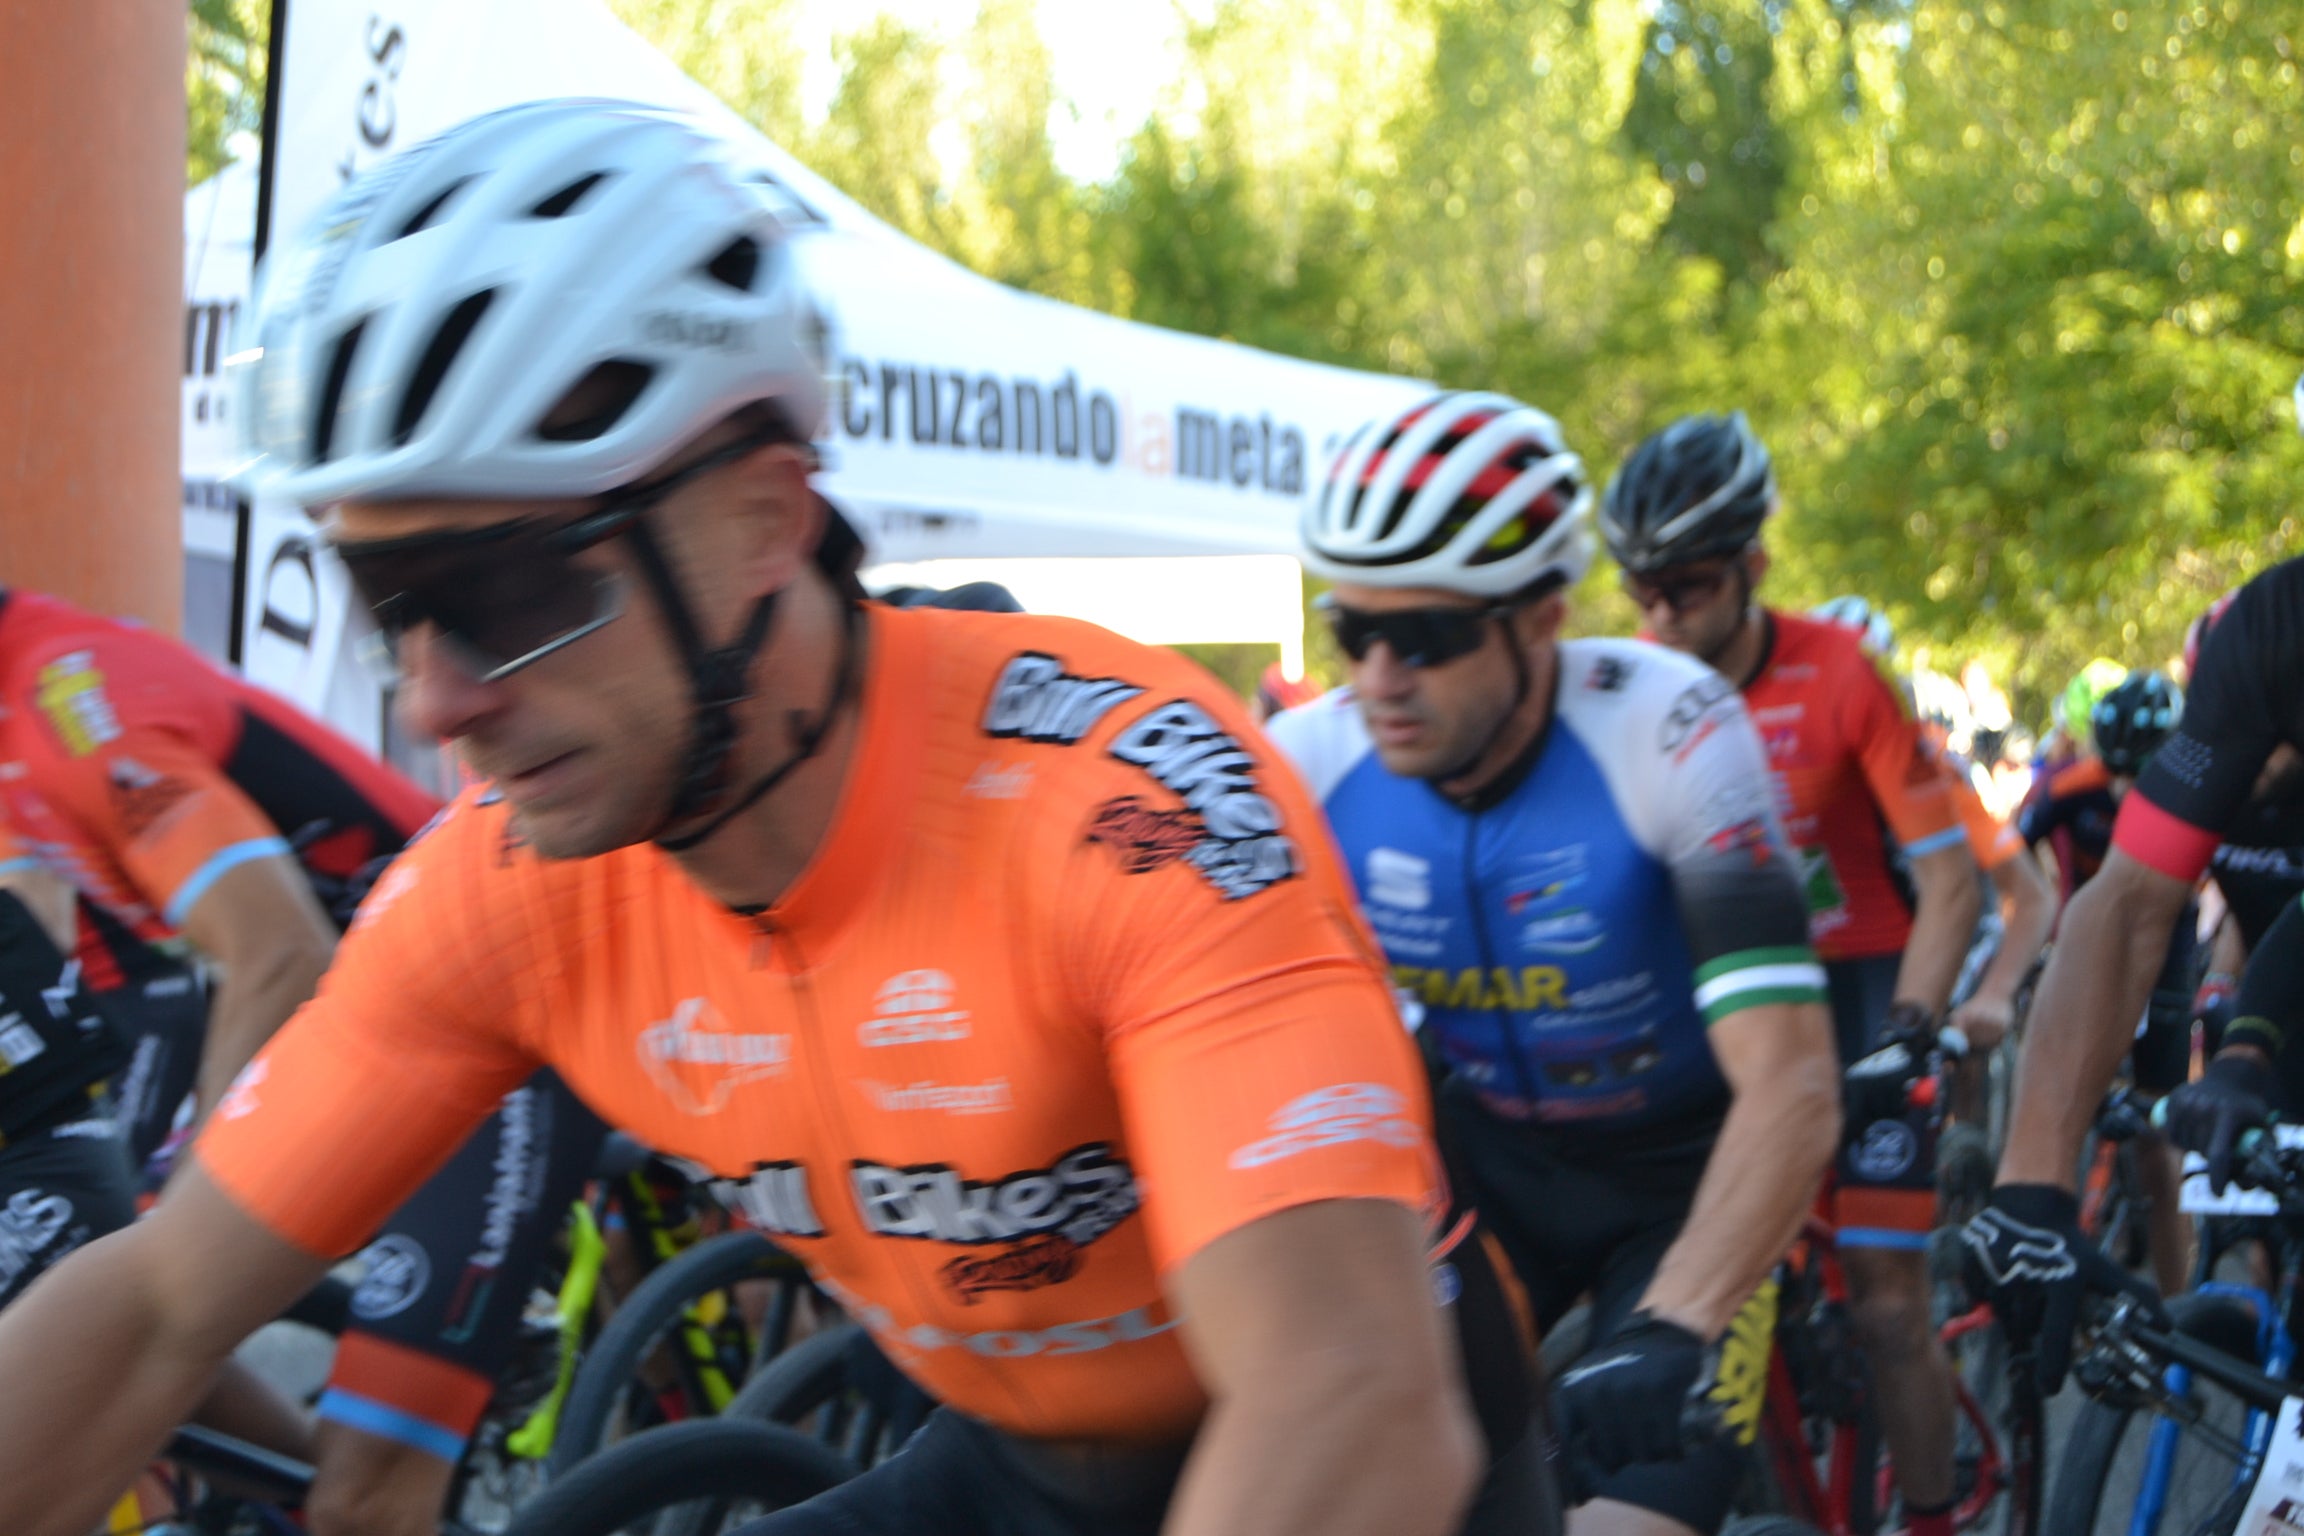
810	1387
700	1461
2082	1494
655	1305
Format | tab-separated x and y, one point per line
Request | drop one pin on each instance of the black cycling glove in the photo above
2236	1094
1622	1403
2027	1256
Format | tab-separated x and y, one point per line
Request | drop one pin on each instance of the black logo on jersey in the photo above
1026	1266
774	1199
1608	675
1087	1194
1144	837
1690	710
1036	699
1184	749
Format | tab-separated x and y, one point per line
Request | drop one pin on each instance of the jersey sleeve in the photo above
1993	841
1705	807
410	1042
1203	922
122	752
2246	698
1903	775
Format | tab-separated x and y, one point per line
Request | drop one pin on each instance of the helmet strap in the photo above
720	681
1480	796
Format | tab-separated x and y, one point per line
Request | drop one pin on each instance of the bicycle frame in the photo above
2275	1352
1844	1500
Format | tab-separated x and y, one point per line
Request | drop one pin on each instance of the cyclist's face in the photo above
1697	608
1427	720
581	741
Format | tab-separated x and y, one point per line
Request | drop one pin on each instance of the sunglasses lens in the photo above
502	603
1419	637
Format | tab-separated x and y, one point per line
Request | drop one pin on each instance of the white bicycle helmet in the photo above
1471	493
1857	613
417	337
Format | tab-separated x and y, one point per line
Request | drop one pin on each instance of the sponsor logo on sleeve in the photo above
914	1008
1329	1117
699	1062
1000	781
1035	699
71	694
142	798
241	1099
1608	675
1087	1193
1188	753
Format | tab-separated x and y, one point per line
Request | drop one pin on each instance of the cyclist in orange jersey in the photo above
1856	785
991	961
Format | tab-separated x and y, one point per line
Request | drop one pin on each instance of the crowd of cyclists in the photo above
1210	1117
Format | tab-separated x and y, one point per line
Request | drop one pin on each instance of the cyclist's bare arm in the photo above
111	1349
2027	917
2115	937
1782	1129
1945	908
264	928
1339	1406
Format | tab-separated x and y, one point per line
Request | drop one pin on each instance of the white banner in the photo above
968	419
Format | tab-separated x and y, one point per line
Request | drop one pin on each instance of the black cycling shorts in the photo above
960	1477
437	1312
1593	1219
60	1189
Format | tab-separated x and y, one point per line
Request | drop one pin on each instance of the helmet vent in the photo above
598	401
438	358
332	391
737	264
564	201
431	210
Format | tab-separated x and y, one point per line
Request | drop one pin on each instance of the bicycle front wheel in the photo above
702	1476
2119	1460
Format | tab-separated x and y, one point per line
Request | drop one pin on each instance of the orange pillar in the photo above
91	303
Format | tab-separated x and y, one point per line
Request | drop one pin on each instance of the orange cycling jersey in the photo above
1994	842
139	773
1072	987
1847	757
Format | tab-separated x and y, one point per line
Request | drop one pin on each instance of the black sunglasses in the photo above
512	593
1679	590
1418	637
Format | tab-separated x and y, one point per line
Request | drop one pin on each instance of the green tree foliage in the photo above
223	81
2008	285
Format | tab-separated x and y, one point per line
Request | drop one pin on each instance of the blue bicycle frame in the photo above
2275	1352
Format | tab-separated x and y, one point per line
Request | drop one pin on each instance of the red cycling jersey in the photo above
138	772
1851	769
1073	987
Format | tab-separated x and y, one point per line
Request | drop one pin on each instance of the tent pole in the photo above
93	308
243	515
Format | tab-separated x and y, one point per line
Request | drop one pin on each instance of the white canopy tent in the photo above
969	422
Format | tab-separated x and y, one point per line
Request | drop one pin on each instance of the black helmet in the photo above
1699	488
974	596
2131	721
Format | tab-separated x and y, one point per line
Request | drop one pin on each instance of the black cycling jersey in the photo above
2246	699
2260	867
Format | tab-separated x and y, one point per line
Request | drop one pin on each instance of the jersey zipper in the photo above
1472	904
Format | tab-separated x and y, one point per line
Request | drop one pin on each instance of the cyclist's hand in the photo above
1985	1020
2234	1095
2027	1256
1622	1403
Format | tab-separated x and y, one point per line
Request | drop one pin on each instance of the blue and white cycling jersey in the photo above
1568	943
